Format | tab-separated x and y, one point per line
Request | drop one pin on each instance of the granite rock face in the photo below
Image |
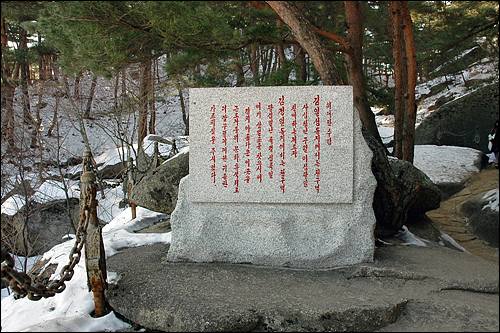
280	234
464	122
158	191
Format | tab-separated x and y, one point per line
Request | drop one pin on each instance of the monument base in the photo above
292	235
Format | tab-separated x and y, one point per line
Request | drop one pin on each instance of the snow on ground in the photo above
492	200
50	190
447	238
409	238
447	164
386	133
70	310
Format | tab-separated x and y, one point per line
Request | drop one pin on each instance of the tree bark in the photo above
88	108
23	45
395	15
151	100
254	63
355	67
300	61
185	117
8	122
142	127
76	88
304	33
391	200
411	112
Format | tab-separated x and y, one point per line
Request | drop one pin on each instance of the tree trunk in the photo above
411	112
8	117
124	85
76	88
151	100
240	74
115	90
142	127
57	95
88	108
395	15
355	67
41	62
391	202
305	35
54	117
300	61
185	117
23	45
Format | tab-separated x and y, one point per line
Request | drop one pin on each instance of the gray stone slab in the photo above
414	288
260	138
305	235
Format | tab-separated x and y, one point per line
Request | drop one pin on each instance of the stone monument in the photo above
279	176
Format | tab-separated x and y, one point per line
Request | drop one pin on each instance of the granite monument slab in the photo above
279	176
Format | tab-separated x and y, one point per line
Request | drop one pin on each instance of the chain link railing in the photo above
88	233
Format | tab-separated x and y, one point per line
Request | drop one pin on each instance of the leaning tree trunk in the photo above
307	38
185	117
392	199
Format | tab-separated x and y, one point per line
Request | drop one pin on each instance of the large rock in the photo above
280	234
46	224
407	288
463	122
482	213
427	195
158	191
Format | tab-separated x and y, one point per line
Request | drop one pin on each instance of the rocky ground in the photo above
407	288
451	219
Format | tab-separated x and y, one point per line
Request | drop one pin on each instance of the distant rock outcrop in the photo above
464	122
158	191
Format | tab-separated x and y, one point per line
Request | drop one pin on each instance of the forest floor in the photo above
452	221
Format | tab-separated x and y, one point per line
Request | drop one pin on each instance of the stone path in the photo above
451	221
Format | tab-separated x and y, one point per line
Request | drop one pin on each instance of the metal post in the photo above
95	258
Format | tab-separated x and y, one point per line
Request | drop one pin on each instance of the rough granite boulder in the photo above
463	122
427	195
47	224
158	191
482	214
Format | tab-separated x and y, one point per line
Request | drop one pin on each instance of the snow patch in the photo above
491	197
70	310
409	238
447	164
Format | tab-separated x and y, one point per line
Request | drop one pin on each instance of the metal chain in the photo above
22	284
